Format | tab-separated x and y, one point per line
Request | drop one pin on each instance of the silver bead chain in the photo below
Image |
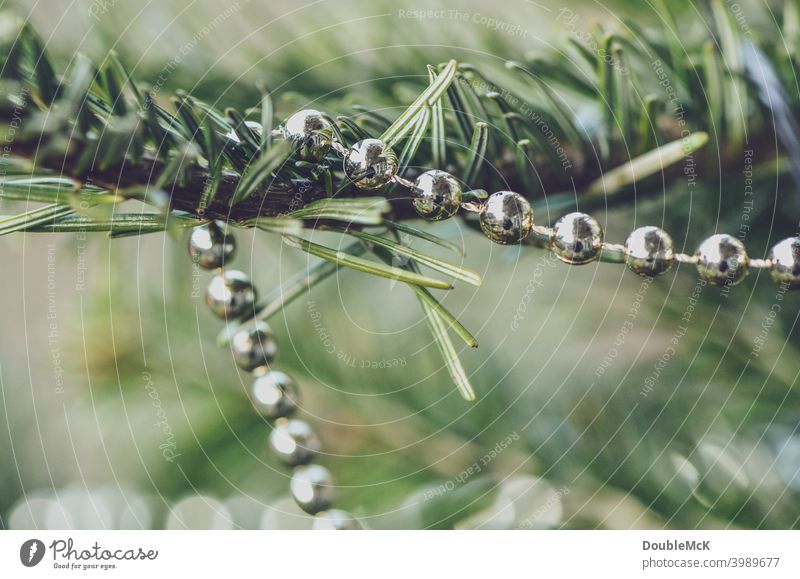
231	295
506	217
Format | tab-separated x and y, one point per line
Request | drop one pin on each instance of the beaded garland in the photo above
506	217
273	394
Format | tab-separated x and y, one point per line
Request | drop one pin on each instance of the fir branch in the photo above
96	131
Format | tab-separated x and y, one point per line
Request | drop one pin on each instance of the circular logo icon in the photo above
31	552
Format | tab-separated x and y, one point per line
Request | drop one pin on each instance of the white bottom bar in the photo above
389	554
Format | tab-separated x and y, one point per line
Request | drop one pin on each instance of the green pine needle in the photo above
454	271
30	219
260	172
347	260
364	211
651	163
406	121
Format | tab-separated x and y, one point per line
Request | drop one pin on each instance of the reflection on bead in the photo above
230	294
649	251
210	247
310	133
293	442
336	520
437	195
506	217
370	164
784	261
254	347
312	488
275	395
722	260
577	238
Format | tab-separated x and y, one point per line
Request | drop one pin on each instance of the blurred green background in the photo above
119	411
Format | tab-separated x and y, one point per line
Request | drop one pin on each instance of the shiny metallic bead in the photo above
649	251
577	238
335	520
312	488
254	347
370	164
784	262
506	217
436	195
722	260
310	133
230	294
210	247
275	395
293	442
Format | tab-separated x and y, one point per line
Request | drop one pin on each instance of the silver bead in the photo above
335	520
577	238
722	260
436	195
312	488
370	164
293	442
506	217
649	251
254	347
230	294
210	247
310	133
275	395
784	262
